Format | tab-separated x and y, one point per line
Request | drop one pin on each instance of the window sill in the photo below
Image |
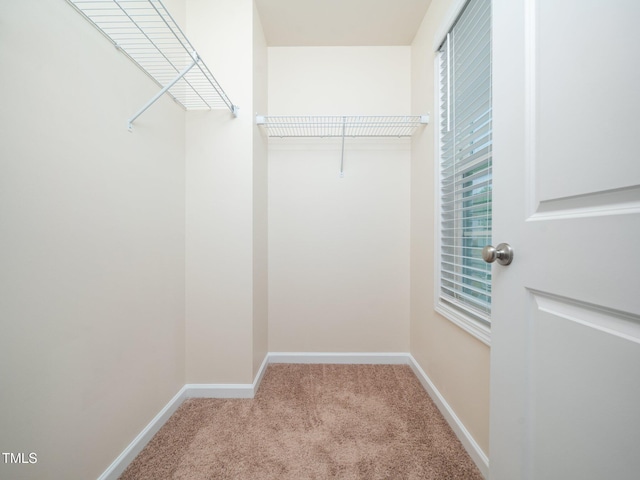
465	322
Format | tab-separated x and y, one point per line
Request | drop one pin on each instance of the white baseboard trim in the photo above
341	358
217	390
468	442
249	390
120	464
263	368
233	390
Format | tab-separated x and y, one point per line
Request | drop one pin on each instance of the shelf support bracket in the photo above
344	127
196	59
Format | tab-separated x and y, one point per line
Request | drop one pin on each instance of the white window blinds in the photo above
465	162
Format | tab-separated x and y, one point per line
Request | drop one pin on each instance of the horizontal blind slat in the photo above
457	293
465	159
479	312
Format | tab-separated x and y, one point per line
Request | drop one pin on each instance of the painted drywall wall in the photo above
339	247
91	245
221	303
457	363
260	199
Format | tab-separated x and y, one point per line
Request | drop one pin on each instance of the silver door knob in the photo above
503	253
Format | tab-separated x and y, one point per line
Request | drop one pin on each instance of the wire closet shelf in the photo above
147	33
341	126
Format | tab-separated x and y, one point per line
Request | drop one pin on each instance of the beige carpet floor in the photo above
310	422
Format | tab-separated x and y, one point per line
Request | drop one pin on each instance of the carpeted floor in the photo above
310	422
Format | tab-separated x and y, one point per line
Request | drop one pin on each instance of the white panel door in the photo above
565	354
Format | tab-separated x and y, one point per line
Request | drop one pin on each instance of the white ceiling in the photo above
341	22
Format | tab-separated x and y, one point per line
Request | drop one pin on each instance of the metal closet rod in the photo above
341	126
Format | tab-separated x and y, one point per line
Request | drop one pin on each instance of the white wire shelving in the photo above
341	126
147	33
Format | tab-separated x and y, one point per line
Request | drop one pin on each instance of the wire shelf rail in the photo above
341	126
147	33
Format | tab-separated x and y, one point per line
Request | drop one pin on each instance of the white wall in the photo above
225	252
92	229
91	245
456	362
339	247
260	199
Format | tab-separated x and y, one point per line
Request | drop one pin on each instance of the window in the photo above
465	168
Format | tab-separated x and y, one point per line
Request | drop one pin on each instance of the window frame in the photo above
463	318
